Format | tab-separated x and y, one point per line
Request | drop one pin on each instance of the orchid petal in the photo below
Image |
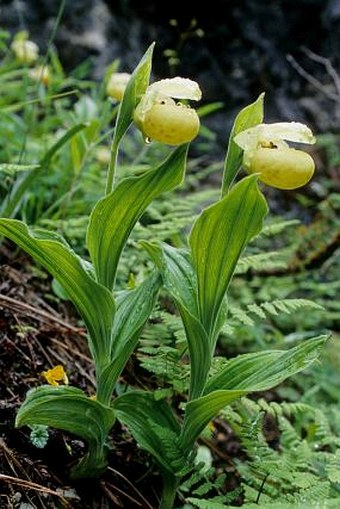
266	133
178	88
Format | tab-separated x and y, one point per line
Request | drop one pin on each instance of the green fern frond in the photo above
172	451
202	483
206	504
241	316
290	438
264	309
322	504
314	493
333	467
275	409
270	308
278	227
161	350
263	261
298	470
291	305
257	310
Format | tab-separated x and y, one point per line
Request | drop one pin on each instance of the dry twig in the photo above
38	314
34	486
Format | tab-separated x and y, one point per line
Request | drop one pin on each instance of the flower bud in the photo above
40	74
103	155
282	167
25	51
116	85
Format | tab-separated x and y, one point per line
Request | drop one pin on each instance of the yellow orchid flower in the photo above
116	85
103	155
267	153
160	118
55	375
25	51
40	74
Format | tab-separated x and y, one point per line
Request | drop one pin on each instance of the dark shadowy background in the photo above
235	49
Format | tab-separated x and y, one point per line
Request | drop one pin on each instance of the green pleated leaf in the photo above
151	423
199	413
250	116
256	371
177	272
217	240
69	409
244	374
199	350
180	281
114	216
135	88
93	301
133	309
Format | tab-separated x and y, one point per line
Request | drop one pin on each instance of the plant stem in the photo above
112	167
93	464
170	484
